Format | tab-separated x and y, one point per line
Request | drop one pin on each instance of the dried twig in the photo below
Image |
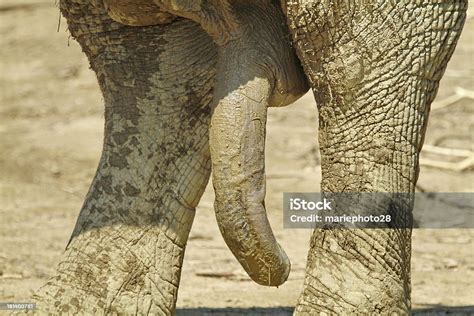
447	151
470	14
459	93
11	276
7	6
225	275
420	188
294	174
455	166
286	175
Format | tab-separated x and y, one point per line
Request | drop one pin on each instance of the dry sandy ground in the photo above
50	141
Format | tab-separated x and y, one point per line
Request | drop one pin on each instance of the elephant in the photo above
186	86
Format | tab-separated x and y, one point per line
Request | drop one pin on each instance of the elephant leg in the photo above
374	68
126	251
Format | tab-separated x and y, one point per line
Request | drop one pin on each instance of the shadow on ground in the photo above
436	310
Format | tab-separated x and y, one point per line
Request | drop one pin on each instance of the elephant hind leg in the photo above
375	69
126	251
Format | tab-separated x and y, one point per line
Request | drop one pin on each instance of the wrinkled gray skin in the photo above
186	86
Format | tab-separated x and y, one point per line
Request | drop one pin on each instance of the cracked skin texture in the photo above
374	68
159	87
188	87
126	251
256	68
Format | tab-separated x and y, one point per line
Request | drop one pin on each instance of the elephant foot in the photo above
357	272
118	269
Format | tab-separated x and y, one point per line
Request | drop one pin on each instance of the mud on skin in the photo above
374	68
162	77
186	86
256	68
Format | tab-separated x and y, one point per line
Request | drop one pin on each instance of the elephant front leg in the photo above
374	68
126	251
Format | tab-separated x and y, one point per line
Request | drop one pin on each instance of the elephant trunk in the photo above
237	141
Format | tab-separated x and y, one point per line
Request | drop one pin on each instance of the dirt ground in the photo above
51	121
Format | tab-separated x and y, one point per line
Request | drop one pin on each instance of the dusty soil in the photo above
50	142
